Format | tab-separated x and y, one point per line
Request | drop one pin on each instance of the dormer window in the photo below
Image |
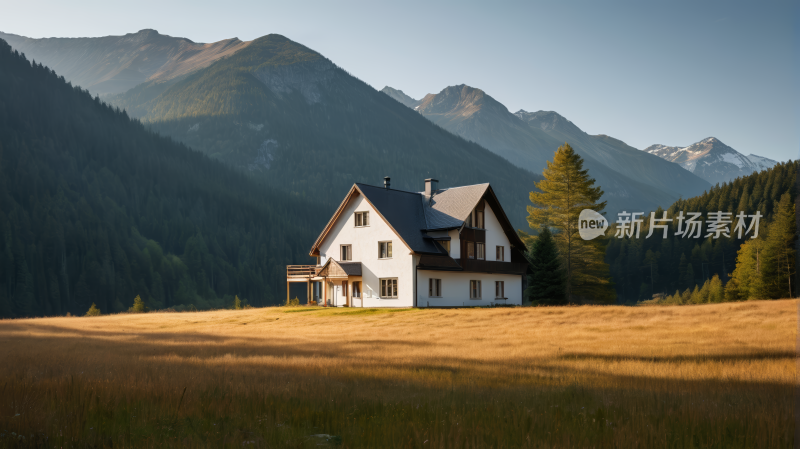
362	219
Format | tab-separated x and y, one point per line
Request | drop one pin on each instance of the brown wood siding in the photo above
492	266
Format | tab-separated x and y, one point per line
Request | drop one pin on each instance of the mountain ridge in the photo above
114	64
529	139
712	160
282	111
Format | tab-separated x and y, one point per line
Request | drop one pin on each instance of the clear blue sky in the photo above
666	72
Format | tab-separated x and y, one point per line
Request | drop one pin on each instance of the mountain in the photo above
631	180
95	208
401	97
285	113
114	64
712	160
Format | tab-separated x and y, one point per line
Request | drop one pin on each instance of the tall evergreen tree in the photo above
564	192
547	284
779	260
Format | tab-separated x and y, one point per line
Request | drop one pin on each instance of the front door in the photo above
344	294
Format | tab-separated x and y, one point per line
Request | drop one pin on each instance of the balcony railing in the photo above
301	271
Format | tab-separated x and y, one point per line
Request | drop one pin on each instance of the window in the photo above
499	290
474	289
471	250
445	244
435	288
481	253
356	289
347	252
479	219
469	220
362	219
389	288
384	250
501	253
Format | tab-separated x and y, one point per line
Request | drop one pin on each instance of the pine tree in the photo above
547	284
138	305
747	278
93	311
779	263
565	191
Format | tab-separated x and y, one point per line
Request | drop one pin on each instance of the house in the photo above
385	247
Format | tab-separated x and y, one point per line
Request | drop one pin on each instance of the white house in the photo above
384	247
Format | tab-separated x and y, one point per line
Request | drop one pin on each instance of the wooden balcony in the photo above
302	271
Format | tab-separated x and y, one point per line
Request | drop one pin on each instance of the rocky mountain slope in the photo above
712	160
114	64
283	112
400	96
630	178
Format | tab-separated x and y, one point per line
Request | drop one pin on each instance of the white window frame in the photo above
388	244
480	250
434	288
499	289
355	289
500	253
473	286
349	252
391	284
362	219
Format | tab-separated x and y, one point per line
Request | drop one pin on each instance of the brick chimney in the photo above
431	186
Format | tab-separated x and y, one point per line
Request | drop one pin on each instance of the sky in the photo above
645	72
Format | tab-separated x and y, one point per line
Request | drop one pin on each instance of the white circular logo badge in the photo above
591	224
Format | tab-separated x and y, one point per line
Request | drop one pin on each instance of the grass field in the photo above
718	375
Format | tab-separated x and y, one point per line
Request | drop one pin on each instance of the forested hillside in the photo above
95	208
643	266
284	112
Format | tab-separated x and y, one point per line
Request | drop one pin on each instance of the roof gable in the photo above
410	214
449	208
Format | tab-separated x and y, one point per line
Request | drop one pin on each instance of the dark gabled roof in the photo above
403	212
411	214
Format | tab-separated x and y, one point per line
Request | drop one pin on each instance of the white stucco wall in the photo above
495	236
364	241
455	289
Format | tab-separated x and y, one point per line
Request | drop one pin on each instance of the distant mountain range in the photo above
114	64
712	160
285	114
631	179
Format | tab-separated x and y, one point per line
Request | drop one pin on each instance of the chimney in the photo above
431	185
386	180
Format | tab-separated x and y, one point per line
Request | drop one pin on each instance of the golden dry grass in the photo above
717	375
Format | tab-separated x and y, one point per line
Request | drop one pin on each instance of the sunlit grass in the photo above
718	375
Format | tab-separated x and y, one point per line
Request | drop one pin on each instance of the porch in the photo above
334	284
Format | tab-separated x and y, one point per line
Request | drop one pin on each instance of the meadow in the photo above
704	376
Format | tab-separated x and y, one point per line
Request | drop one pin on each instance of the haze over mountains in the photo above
114	64
631	179
285	113
712	160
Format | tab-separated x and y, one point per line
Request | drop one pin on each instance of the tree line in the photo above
678	269
95	208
